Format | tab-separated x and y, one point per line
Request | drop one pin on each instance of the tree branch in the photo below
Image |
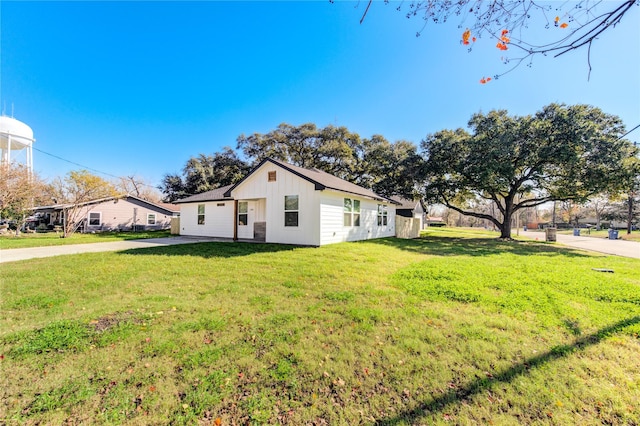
365	11
473	214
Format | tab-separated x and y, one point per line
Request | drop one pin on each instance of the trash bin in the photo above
613	234
576	232
524	228
550	234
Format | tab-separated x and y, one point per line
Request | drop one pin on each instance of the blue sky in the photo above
136	88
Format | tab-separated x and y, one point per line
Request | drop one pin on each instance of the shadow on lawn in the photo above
455	246
210	250
454	396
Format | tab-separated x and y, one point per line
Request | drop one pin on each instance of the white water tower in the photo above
16	138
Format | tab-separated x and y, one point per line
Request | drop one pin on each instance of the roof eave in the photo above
186	201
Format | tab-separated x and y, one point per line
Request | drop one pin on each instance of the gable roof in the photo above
321	180
217	194
168	208
403	203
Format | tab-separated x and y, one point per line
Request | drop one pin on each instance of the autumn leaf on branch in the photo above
521	19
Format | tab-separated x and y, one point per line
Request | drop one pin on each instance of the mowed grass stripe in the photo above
450	328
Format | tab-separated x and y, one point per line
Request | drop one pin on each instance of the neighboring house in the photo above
411	208
124	213
281	203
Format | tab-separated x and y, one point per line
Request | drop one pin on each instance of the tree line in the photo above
499	166
388	168
510	163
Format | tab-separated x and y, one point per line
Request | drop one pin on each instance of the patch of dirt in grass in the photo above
110	321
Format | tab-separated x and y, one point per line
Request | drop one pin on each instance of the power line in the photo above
87	168
76	164
629	132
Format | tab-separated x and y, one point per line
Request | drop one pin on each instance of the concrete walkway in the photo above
12	255
601	245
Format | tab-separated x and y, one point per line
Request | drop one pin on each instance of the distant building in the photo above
124	213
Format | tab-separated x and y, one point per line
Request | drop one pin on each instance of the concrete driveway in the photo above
13	255
600	245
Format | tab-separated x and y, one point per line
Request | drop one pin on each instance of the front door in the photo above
246	217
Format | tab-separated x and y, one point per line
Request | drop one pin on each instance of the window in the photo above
348	210
243	213
95	218
200	214
351	212
356	212
382	215
291	209
151	218
220	204
271	176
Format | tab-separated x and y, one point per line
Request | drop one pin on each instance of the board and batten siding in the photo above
419	214
258	187
119	215
332	229
218	219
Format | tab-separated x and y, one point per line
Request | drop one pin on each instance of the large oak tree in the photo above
387	168
560	153
204	173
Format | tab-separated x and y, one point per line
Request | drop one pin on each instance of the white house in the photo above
281	203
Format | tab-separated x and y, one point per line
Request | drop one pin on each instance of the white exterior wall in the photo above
258	187
332	229
218	220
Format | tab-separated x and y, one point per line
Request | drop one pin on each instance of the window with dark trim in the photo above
200	214
243	213
291	210
151	218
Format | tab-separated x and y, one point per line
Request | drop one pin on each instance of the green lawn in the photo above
11	241
454	328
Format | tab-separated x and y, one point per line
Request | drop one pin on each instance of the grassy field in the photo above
11	241
453	328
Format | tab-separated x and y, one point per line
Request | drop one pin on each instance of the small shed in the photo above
411	209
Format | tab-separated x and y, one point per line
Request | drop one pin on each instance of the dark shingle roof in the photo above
321	180
217	194
167	207
404	203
